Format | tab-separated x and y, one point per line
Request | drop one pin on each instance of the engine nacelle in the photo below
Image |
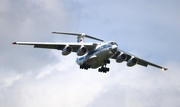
120	58
131	62
81	51
67	50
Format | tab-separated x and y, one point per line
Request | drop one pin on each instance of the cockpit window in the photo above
112	43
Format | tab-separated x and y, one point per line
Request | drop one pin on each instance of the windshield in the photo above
112	43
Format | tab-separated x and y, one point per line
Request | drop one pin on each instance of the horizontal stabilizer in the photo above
80	35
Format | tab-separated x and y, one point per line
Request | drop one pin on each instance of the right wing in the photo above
59	46
140	61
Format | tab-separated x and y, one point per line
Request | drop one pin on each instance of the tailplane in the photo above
80	37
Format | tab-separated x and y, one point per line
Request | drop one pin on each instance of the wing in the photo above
58	46
141	62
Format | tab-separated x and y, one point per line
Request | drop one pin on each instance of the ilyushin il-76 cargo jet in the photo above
93	55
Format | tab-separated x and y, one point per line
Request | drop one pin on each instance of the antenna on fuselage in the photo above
80	37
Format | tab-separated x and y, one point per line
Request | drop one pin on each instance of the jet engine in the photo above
81	51
120	58
131	62
67	50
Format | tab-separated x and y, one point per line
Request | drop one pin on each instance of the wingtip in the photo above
14	43
164	69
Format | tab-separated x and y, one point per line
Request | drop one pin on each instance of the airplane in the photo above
93	55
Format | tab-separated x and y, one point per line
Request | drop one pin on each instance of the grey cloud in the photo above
62	87
29	21
37	77
140	87
122	86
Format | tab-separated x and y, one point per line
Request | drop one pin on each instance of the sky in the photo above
45	78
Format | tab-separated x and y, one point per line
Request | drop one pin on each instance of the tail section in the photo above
80	37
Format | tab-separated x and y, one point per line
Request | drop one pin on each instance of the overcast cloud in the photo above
44	78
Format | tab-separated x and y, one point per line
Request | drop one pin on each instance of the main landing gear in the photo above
85	66
104	69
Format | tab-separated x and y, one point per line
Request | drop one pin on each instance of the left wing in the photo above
140	61
59	46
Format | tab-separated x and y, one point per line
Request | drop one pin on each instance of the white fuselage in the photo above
97	57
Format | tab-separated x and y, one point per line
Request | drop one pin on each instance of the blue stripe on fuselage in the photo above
95	51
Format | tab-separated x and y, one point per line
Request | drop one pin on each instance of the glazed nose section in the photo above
114	48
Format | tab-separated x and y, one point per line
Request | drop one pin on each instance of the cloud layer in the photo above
39	77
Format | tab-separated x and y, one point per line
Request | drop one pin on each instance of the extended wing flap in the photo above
46	46
143	63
